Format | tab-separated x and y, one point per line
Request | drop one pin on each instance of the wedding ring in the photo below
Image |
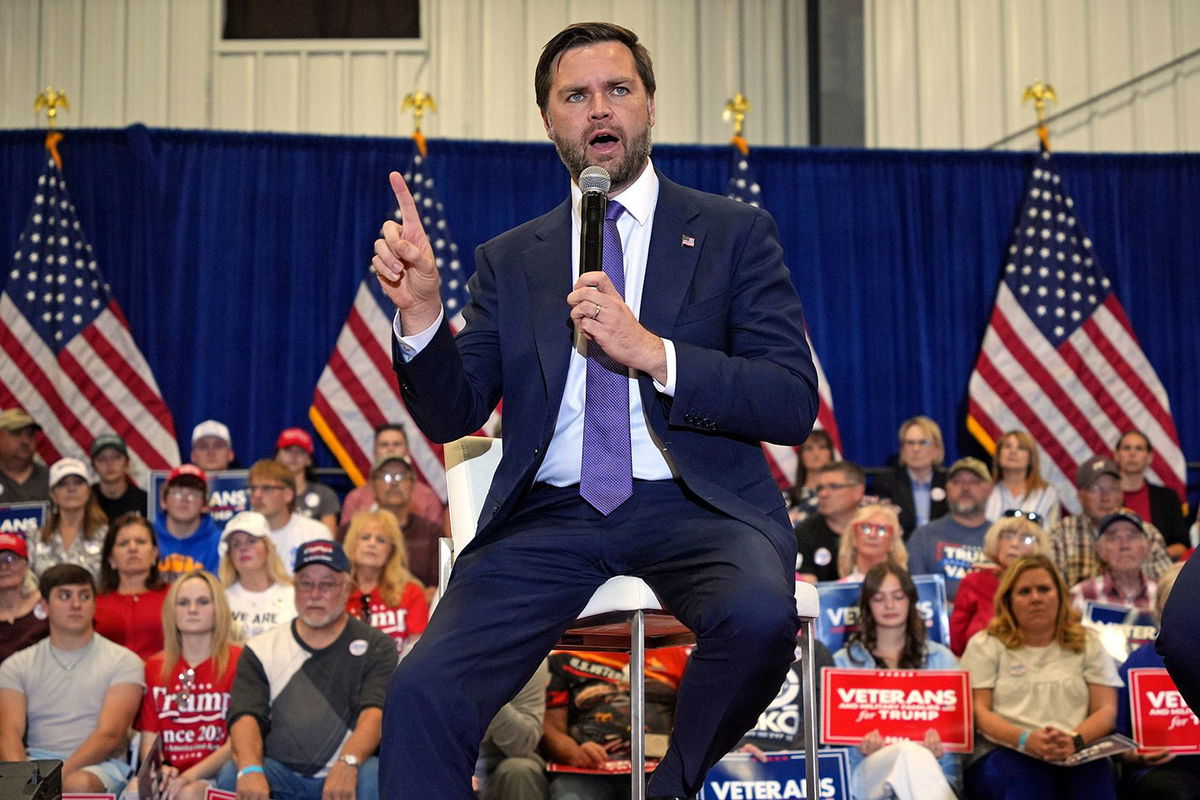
597	313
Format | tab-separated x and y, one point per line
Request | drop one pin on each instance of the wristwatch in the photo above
1078	742
349	760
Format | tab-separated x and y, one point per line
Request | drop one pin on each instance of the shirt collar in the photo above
638	198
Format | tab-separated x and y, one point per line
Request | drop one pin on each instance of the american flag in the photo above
357	389
743	186
66	354
1059	357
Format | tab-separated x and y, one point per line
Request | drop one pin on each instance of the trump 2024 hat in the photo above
324	552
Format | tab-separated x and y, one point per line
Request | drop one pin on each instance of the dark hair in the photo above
1135	432
391	426
582	34
851	471
64	575
818	436
109	578
912	656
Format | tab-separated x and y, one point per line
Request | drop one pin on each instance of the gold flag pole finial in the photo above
735	111
1039	93
419	101
51	100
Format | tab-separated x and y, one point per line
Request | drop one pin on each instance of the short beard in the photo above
622	173
967	509
323	621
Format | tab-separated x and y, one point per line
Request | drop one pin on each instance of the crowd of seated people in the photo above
226	623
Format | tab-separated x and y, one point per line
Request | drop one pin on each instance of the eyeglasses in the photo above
1101	491
873	531
1020	513
832	487
265	487
322	587
180	493
392	477
187	683
918	443
8	557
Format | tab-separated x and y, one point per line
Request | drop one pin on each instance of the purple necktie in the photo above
606	474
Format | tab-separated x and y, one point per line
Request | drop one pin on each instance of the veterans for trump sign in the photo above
1161	719
899	703
740	776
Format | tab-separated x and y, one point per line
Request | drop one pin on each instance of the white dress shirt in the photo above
561	466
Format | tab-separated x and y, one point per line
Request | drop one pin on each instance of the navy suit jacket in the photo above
715	285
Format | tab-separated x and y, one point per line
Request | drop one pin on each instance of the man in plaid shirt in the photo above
1074	539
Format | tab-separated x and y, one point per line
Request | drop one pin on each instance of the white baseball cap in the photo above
250	522
65	467
210	427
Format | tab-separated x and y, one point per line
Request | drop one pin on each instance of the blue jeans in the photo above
590	787
1005	774
287	785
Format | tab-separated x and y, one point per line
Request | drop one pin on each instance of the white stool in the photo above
623	615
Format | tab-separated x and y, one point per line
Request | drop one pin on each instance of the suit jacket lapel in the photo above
548	275
670	265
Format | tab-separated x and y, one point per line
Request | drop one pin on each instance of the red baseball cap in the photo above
295	437
187	471
14	544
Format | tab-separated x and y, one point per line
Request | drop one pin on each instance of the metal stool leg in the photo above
811	778
637	705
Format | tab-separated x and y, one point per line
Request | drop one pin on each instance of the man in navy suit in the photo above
707	338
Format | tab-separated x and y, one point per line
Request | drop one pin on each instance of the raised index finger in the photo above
410	218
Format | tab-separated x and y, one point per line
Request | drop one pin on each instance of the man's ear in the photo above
548	125
650	109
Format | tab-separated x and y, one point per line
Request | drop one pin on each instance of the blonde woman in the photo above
1043	687
188	684
385	594
75	525
1019	481
1017	533
257	584
871	537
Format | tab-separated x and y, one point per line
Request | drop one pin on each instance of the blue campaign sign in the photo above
227	494
1135	625
839	610
23	519
740	776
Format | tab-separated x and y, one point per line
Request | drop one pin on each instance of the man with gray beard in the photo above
307	699
952	545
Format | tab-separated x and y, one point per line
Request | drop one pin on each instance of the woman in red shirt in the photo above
187	685
385	594
1016	533
129	603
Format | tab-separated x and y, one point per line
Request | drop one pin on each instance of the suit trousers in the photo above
512	594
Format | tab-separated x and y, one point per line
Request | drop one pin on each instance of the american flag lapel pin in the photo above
687	241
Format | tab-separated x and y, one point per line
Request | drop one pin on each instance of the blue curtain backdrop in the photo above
235	256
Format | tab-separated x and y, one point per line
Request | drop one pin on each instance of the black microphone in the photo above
594	183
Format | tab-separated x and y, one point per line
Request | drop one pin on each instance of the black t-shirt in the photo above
134	499
816	549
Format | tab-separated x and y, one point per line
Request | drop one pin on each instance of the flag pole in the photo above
419	101
1040	92
50	100
736	109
